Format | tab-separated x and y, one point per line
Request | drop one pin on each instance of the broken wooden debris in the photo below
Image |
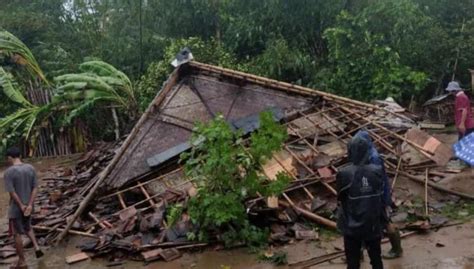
124	205
81	256
437	186
152	255
170	254
332	256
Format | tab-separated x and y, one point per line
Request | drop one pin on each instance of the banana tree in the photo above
18	53
24	120
99	82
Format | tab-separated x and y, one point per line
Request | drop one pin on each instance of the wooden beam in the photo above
310	215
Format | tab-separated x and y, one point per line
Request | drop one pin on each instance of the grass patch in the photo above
326	234
462	211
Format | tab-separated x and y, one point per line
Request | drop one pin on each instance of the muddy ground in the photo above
421	251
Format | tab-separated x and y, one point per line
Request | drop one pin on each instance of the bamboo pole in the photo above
426	192
331	256
420	148
437	187
396	172
310	215
284	85
146	183
43	228
331	189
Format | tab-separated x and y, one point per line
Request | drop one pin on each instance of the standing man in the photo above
462	107
393	233
21	183
361	208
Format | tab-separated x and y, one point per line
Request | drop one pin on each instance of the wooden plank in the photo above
441	153
152	255
280	162
81	256
170	254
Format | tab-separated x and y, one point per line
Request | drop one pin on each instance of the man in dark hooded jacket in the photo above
393	233
361	208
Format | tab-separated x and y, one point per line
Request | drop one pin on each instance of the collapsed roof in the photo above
144	174
197	92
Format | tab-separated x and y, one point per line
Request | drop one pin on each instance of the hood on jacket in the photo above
365	135
358	150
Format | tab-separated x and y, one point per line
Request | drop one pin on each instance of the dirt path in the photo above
420	250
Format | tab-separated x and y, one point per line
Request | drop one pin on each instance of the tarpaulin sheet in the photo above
464	149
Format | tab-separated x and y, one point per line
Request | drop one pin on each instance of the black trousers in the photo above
352	248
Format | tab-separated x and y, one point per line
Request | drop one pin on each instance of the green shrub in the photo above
227	170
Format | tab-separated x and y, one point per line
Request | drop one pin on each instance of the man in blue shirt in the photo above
393	233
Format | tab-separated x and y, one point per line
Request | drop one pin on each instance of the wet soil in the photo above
420	250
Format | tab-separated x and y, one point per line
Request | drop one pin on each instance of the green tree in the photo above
227	170
366	58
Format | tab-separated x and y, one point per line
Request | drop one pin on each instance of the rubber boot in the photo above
396	243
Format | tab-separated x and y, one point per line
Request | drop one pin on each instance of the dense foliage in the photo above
228	170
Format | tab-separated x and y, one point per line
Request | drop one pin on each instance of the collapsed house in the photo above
132	183
440	109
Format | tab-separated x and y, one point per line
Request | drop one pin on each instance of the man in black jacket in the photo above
361	215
